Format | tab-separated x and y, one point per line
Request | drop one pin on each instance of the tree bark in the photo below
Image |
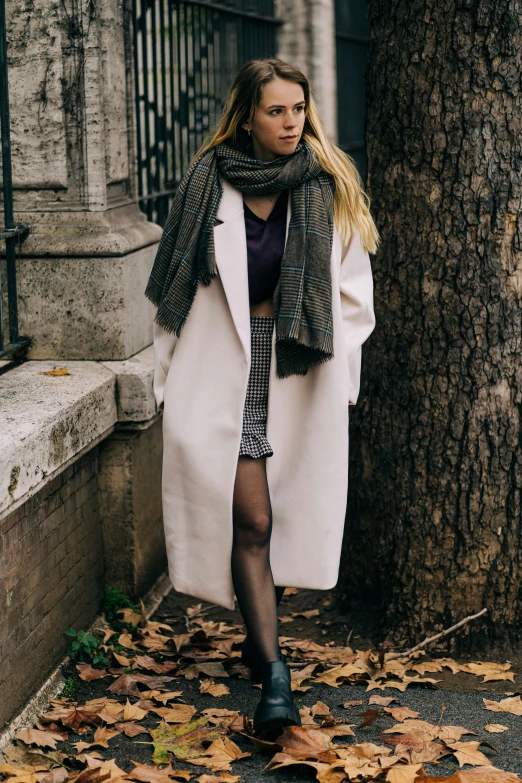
434	518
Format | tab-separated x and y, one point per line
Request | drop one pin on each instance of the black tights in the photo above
251	573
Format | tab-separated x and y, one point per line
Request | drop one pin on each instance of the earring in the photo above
248	131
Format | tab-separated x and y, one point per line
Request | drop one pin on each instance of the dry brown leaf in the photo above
57	373
401	713
132	712
211	669
102	735
220	754
222	778
129	616
151	774
369	717
403	774
427	666
71	716
124	640
491	671
469	753
343	671
384	701
126	684
149	664
159	696
44	739
496	728
88	673
477	775
25	774
513	705
106	766
121	659
319	708
213	688
178	713
286	619
400	686
56	775
303	739
130	729
181	639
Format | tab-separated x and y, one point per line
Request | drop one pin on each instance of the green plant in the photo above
85	647
112	602
69	688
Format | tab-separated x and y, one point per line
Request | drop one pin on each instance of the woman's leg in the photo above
251	572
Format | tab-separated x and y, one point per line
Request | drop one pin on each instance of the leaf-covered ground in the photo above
175	704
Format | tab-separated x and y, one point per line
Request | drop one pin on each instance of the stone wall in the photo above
51	577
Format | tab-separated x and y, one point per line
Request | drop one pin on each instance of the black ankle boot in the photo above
276	708
250	658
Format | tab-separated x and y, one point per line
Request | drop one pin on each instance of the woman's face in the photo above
279	119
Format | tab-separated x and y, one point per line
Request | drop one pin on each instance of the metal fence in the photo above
352	33
10	232
186	53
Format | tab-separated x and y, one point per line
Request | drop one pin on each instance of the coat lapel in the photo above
231	258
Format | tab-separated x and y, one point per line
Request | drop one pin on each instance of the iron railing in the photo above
11	232
186	53
352	36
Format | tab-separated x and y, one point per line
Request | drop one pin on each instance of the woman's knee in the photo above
253	529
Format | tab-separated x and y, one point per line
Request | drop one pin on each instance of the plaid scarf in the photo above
186	256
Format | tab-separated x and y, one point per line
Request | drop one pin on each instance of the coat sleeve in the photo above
356	282
164	344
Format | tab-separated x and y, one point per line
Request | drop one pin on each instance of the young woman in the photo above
264	292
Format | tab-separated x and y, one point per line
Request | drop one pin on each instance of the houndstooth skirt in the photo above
253	437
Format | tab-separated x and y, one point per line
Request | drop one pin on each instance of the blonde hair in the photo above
351	204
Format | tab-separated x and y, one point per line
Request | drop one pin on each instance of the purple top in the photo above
265	247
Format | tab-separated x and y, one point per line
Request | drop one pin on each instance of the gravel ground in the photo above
462	707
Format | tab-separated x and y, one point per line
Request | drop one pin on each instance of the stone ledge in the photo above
47	420
134	379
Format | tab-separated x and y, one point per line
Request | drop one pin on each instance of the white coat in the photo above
200	379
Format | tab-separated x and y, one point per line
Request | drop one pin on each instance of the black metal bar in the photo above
232	11
11	232
186	54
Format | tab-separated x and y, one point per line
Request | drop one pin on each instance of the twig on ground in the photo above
437	636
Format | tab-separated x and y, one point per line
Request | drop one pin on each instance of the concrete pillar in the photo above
83	269
307	40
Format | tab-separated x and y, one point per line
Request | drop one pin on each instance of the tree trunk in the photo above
434	519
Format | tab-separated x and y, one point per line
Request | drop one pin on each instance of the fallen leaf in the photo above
401	713
477	775
513	705
220	754
88	673
56	373
384	701
151	774
357	702
102	735
222	778
121	659
131	712
319	708
496	728
149	664
214	689
177	713
403	774
160	696
184	741
210	669
491	671
44	739
368	717
130	729
469	753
